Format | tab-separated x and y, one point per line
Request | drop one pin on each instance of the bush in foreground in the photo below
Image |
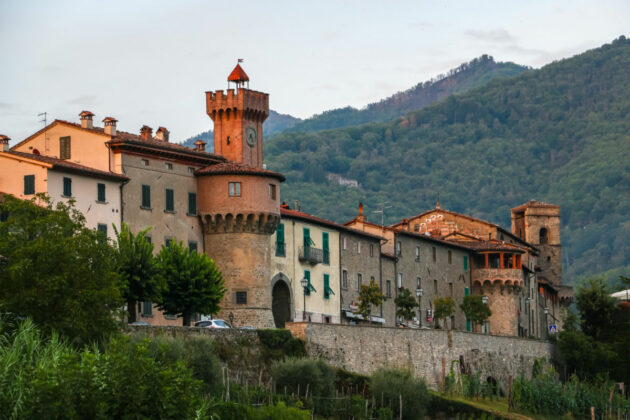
389	386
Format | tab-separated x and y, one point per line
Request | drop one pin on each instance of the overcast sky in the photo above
150	62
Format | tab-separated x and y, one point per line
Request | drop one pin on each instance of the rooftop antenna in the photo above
382	211
45	121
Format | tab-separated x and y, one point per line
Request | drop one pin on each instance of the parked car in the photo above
214	323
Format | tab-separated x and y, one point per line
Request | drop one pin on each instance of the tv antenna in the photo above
382	211
45	119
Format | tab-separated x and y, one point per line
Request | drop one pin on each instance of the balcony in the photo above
311	255
501	276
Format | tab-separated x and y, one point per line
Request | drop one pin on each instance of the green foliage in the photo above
369	295
136	265
280	343
193	283
346	380
389	385
58	272
559	134
279	411
46	378
474	309
315	375
444	308
596	307
405	304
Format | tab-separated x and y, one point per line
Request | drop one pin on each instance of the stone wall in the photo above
364	349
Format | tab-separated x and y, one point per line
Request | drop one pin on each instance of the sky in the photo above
150	62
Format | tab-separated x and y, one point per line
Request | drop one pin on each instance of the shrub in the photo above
279	343
315	374
389	385
279	411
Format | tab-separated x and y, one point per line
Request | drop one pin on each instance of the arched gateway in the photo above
281	303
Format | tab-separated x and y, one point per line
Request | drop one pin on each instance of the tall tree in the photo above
58	272
370	295
444	308
596	307
193	283
137	268
405	304
475	310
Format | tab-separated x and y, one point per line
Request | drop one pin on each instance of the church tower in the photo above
238	117
239	203
539	224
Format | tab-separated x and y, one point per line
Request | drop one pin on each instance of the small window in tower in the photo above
241	298
234	189
228	140
145	162
169	166
272	191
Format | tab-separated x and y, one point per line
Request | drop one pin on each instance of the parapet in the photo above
242	99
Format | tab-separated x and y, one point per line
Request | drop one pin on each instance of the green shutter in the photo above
170	200
327	290
100	192
192	204
67	187
29	184
102	228
64	148
326	249
307	237
280	246
192	246
146	196
465	262
466	293
307	276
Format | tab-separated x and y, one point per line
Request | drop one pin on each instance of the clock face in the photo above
251	136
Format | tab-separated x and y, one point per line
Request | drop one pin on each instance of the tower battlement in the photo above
247	100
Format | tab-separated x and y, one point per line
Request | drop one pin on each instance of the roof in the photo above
388	255
123	137
233	168
86	114
534	203
3	137
489	246
67	166
238	75
287	212
432	239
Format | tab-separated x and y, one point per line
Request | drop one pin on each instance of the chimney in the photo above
110	126
162	134
146	132
4	143
361	216
200	145
86	119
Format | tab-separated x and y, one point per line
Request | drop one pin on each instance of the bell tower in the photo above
238	116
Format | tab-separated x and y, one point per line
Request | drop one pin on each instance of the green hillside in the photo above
559	134
461	79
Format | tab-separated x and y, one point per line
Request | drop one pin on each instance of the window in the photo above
326	252
307	276
372	280
452	322
417	253
4	216
67	187
29	184
344	279
418	282
466	293
192	246
398	248
450	289
191	170
465	262
272	191
101	227
358	247
280	246
144	162
234	189
147	309
100	193
169	166
544	236
192	204
371	250
388	289
228	140
327	290
416	228
359	281
149	240
399	285
64	148
450	257
434	254
168	242
344	243
146	197
435	288
170	201
306	232
241	298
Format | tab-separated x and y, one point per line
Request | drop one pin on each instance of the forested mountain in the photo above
560	134
275	123
461	79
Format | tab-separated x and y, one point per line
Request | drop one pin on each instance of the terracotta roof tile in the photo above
489	246
534	203
233	168
287	212
86	114
62	165
238	75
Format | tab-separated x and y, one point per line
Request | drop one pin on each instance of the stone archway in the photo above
281	303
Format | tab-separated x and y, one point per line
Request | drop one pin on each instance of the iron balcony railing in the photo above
311	255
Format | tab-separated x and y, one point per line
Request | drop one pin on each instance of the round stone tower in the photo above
239	203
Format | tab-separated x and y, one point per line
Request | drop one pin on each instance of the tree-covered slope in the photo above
461	79
560	134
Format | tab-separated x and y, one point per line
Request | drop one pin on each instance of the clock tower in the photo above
238	116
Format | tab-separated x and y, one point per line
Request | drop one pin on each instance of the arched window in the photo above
544	236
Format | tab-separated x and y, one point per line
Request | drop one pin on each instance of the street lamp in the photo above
484	299
304	283
419	293
546	311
